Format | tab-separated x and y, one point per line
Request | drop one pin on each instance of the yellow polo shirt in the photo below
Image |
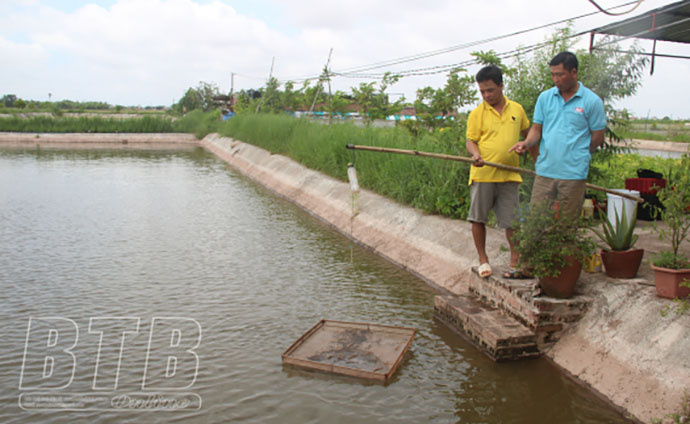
495	134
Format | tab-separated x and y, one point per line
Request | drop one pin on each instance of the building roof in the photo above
667	23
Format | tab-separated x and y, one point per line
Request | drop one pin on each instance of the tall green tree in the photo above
207	91
289	97
189	102
340	102
612	75
373	100
438	107
8	100
271	97
200	97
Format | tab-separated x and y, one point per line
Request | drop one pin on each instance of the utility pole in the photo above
270	74
318	88
232	91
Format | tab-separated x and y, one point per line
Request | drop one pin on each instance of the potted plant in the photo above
620	259
672	267
553	248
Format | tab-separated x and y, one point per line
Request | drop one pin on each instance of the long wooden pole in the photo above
470	160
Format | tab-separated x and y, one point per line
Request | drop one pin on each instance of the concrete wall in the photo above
98	140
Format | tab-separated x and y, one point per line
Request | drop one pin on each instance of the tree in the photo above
382	107
438	107
373	103
207	91
200	97
8	100
247	100
312	96
289	97
610	74
270	99
340	102
364	98
189	102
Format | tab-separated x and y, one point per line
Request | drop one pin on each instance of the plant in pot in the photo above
553	248
672	267
620	259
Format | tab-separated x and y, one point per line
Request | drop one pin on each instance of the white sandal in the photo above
485	270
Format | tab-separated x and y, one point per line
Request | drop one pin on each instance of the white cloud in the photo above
150	51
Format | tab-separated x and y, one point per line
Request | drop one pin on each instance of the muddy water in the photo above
128	274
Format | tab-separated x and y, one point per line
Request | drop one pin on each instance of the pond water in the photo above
169	273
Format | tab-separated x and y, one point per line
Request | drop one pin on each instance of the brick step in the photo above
493	332
522	300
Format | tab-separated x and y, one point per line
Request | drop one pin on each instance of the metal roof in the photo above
667	23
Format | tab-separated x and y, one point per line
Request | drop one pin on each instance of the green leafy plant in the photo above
545	240
676	199
620	237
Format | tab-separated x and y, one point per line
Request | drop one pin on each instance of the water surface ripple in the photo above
179	234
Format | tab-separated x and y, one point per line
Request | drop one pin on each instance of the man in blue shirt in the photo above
568	123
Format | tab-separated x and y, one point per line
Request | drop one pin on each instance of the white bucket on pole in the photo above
615	205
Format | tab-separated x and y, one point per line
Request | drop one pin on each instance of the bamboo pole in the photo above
470	160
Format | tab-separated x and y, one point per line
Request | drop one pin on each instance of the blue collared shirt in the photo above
567	132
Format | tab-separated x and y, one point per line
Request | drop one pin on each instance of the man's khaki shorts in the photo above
570	194
501	197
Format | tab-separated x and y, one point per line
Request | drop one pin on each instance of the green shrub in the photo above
545	240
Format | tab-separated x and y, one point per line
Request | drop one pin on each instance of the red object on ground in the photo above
644	185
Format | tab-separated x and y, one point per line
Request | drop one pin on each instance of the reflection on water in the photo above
135	238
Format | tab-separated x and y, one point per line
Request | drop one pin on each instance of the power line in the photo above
639	2
424	55
449	67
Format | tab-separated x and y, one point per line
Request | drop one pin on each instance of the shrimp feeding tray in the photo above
356	349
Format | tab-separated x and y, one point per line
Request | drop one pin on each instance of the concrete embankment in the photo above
622	347
654	145
98	140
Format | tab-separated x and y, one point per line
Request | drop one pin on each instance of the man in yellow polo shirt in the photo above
492	129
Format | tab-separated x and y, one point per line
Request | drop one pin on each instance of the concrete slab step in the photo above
493	332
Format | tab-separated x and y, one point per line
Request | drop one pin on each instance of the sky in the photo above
149	52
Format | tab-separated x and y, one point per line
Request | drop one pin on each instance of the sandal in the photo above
516	274
485	270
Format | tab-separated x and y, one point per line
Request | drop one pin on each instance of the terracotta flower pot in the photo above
622	264
668	282
563	285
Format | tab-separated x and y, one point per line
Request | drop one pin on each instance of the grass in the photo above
432	185
87	124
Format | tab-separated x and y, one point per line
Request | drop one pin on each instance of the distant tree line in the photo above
12	103
609	73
